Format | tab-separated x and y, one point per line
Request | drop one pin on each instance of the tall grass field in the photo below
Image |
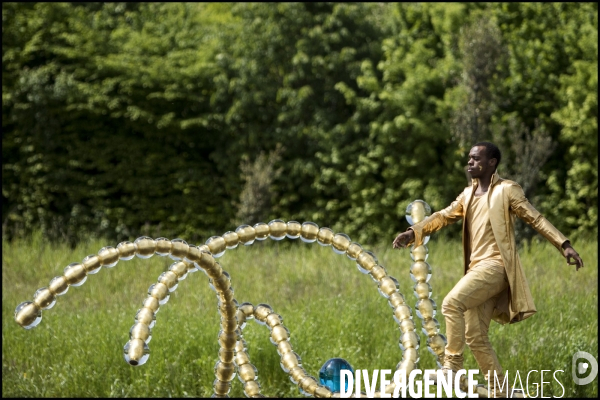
330	308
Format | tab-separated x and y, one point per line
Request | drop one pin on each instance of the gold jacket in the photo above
505	200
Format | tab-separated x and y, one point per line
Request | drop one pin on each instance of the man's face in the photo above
479	165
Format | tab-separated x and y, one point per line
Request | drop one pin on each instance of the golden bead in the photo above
91	264
203	248
248	309
308	232
240	345
136	349
226	355
251	388
151	303
240	317
325	237
290	361
215	271
354	250
163	246
420	271
179	268
293	229
426	308
159	290
241	358
226	295
146	246
407	325
222	283
419	253
231	240
409	339
207	261
297	374
221	388
262	231
28	315
284	347
437	344
262	311
401	312
224	371
422	290
279	333
109	256
377	273
340	243
140	331
228	310
246	233
58	285
217	246
273	319
388	285
366	260
145	316
193	254
418	211
430	326
170	279
75	274
247	372
44	298
179	249
396	299
277	229
230	324
126	250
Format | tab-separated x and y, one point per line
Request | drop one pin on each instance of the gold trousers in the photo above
468	310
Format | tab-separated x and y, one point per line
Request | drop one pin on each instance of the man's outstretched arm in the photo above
524	210
431	224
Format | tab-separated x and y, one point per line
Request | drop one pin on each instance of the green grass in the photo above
330	308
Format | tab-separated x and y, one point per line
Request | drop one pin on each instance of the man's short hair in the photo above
491	151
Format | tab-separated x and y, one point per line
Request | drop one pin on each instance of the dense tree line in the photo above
120	119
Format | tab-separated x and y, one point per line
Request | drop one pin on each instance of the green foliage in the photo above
255	199
121	119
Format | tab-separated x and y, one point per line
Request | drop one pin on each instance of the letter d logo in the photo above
582	367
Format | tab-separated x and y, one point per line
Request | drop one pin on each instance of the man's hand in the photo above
403	239
572	256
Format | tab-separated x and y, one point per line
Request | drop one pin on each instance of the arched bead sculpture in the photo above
233	358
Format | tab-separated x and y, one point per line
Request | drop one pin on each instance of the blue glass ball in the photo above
330	372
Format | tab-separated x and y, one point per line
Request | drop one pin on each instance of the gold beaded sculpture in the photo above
420	273
233	358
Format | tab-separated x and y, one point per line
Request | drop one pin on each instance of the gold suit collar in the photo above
495	179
